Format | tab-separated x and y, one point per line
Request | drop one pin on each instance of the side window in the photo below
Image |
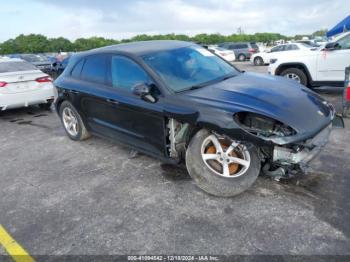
95	69
294	47
233	47
77	69
287	47
274	49
243	46
277	48
126	73
344	42
291	47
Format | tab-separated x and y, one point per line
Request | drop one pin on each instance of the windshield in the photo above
185	68
307	46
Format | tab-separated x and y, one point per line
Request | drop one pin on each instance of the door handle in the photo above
112	101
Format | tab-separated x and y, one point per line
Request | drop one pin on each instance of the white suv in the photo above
324	66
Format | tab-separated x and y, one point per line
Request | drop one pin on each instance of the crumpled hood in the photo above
279	98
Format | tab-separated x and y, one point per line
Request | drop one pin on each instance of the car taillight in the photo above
3	83
44	79
251	50
348	93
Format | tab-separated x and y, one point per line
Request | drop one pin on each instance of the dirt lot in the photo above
94	197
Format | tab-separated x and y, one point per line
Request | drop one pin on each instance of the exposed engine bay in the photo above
177	137
262	126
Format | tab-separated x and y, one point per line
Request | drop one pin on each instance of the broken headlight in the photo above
262	126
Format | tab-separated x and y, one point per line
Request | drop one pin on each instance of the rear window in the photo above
95	69
77	69
254	45
6	67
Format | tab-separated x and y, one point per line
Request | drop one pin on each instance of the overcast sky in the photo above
123	19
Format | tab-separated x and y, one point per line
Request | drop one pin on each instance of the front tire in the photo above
295	74
72	122
213	175
258	61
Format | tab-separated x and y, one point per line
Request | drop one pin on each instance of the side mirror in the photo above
144	91
332	46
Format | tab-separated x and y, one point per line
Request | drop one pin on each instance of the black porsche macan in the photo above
179	102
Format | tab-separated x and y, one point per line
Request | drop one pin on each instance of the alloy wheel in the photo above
293	77
258	61
70	121
224	157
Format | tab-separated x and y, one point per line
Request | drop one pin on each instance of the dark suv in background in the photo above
242	50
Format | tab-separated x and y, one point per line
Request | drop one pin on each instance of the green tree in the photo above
82	44
32	43
60	44
321	32
9	47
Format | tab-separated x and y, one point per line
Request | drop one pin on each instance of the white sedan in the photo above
22	84
263	58
228	55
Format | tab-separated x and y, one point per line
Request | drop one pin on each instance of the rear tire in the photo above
295	74
258	61
79	132
213	183
241	58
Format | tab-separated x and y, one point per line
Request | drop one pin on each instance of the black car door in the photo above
114	111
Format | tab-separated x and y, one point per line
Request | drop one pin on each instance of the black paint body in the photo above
125	117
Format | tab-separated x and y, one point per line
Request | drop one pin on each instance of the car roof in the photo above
143	47
242	42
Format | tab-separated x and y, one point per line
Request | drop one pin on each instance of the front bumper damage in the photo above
295	159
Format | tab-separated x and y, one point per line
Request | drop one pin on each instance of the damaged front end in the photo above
283	152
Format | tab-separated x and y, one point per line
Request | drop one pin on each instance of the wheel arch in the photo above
59	102
259	57
300	66
232	130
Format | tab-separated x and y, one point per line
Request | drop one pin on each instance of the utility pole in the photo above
240	31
